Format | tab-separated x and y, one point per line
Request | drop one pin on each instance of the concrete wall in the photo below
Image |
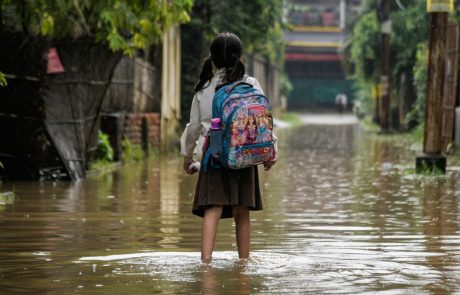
141	91
170	96
268	76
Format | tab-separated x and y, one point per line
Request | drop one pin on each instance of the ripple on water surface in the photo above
343	213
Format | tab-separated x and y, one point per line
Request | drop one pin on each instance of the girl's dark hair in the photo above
226	51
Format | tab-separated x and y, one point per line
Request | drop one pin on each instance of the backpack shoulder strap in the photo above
232	86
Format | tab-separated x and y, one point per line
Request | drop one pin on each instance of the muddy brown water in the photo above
344	214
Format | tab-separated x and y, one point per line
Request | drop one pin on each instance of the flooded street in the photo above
343	214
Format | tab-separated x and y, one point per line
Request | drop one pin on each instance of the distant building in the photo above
314	50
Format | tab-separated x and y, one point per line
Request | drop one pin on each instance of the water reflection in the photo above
169	204
440	211
343	214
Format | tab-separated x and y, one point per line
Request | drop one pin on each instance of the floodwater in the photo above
344	214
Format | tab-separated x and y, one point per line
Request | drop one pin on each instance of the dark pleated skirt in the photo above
226	187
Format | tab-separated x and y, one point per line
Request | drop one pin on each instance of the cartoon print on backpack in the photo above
234	140
239	129
263	129
251	129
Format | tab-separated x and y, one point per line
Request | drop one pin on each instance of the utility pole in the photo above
385	26
432	158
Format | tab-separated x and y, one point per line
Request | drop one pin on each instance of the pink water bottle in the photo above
216	137
216	124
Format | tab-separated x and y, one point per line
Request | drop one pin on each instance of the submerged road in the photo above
344	214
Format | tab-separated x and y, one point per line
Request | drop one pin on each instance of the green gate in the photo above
318	92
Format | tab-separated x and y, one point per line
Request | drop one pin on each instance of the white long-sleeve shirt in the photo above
201	115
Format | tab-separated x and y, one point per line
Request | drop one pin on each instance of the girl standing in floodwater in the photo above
220	193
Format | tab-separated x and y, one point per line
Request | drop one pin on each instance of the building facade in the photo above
314	50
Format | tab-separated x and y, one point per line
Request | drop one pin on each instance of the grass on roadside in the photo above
369	126
291	118
416	134
101	166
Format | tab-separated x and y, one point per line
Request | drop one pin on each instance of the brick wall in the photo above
154	121
133	128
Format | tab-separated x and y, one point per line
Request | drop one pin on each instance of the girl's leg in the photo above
209	230
243	230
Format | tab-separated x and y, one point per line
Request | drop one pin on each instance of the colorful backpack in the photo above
246	127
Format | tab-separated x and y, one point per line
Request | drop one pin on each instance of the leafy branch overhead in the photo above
258	23
123	24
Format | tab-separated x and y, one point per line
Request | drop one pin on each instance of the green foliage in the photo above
7	198
365	47
2	79
104	152
369	126
420	75
131	152
416	135
409	29
100	168
258	23
124	25
409	33
362	95
292	118
285	85
426	170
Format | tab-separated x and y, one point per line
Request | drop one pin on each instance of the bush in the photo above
131	152
417	114
104	151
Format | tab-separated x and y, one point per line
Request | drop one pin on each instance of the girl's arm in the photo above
192	132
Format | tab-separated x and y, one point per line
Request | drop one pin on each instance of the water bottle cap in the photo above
215	123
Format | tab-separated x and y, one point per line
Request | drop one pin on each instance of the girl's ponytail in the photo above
205	75
235	72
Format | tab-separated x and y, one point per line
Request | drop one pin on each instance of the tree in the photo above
365	47
408	37
409	29
409	33
258	23
121	24
83	32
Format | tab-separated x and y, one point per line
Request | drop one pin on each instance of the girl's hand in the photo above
187	166
268	165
